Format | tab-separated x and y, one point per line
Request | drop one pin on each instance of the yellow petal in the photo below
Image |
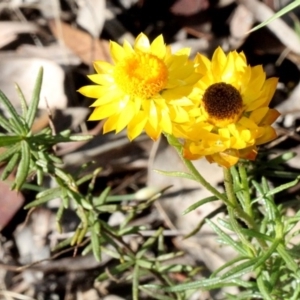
125	117
270	117
269	135
247	123
103	67
127	48
136	125
111	123
104	111
142	43
102	79
158	47
202	63
224	159
218	61
183	52
165	122
116	51
151	111
153	133
269	89
92	91
229	69
109	96
258	114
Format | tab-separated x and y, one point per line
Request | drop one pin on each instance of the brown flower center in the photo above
223	104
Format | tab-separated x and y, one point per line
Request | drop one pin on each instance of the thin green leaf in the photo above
58	218
135	282
53	191
290	262
13	122
255	234
10	165
176	174
109	208
86	250
149	242
262	288
129	230
6	125
116	270
228	264
39	176
168	256
296	28
240	270
23	168
95	232
207	284
262	258
65	177
13	113
65	197
9	152
62	244
280	159
227	239
200	203
31	113
102	198
111	252
277	15
246	295
283	187
7	140
47	197
202	222
24	105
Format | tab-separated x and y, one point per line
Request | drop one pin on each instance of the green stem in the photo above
246	194
236	211
197	176
229	188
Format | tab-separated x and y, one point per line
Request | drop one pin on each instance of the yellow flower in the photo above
233	116
145	88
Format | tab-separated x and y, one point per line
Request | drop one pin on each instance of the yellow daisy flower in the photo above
233	116
145	88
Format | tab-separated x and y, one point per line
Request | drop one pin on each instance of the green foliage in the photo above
25	152
32	156
262	235
256	227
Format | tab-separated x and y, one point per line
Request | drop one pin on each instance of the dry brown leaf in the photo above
80	42
189	7
10	203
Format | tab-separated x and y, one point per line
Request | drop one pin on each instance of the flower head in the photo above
233	116
145	89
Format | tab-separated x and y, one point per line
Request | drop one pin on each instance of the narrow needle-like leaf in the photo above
31	113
